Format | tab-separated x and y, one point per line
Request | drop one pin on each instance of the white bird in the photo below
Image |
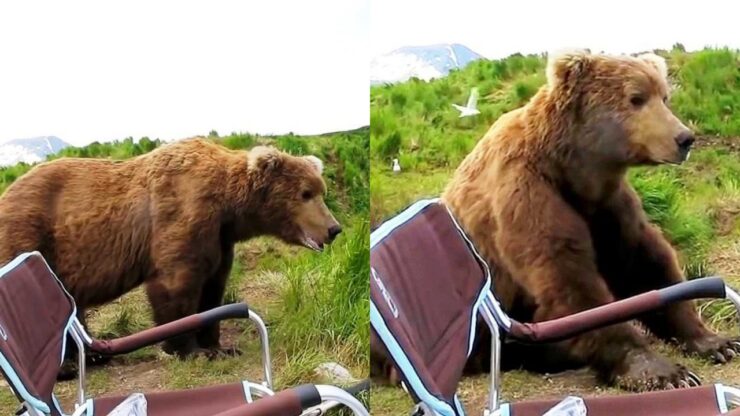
470	109
396	166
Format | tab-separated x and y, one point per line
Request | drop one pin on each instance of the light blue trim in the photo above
495	307
15	262
388	226
247	391
504	410
403	362
473	319
85	409
56	404
66	331
486	286
37	404
502	318
458	405
18	386
721	400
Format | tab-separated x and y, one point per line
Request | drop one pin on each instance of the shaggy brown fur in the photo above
168	219
544	197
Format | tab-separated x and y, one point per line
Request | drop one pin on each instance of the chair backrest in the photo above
36	314
426	286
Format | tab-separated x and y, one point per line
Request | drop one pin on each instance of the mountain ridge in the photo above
30	149
425	62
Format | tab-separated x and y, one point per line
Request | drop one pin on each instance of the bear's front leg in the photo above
640	259
546	247
656	266
212	296
174	294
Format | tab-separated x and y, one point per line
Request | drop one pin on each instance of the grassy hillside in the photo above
696	204
315	304
415	122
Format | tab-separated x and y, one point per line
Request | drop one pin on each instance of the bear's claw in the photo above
644	371
716	348
694	380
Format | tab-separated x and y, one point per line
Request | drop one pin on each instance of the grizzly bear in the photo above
168	219
545	199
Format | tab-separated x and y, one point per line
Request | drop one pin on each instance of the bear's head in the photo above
290	191
619	107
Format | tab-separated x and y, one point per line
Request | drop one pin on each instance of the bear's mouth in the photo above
312	244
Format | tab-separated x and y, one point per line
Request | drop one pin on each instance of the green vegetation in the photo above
315	304
415	122
695	204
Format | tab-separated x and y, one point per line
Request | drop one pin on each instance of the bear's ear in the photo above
264	158
657	62
566	66
316	162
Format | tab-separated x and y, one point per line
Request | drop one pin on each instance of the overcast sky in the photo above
94	70
496	28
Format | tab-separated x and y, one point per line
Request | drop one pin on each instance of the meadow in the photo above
696	204
314	304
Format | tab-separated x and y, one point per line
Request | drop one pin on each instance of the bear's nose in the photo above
334	232
685	140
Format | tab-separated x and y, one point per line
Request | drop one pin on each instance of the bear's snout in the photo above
334	231
684	141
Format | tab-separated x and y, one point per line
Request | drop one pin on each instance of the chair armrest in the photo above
619	311
166	331
293	402
289	402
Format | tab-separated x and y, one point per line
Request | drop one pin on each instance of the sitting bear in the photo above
168	219
545	198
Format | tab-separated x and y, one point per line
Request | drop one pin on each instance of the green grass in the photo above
696	204
315	304
415	121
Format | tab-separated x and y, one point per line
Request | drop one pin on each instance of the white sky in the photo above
94	70
497	28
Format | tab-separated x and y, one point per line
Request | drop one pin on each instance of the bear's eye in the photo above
637	100
306	195
665	99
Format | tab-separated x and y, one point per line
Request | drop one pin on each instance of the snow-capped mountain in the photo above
30	150
423	62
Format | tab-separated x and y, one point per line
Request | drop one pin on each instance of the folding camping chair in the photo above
428	287
37	315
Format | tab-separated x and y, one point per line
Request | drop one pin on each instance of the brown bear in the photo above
168	219
545	198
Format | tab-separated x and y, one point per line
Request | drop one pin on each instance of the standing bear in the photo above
545	198
168	219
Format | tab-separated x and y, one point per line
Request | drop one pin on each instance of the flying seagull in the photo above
470	108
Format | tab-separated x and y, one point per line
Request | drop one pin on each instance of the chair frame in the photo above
331	396
497	321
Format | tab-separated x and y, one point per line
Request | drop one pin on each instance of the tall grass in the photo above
415	122
326	298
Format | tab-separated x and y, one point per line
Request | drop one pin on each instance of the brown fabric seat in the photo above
695	401
226	399
35	315
425	287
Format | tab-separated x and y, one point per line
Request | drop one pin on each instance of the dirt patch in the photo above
120	377
730	143
726	218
